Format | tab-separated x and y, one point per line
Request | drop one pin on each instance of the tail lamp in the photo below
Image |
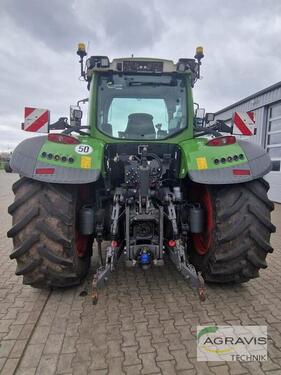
114	244
222	141
241	172
61	138
172	243
44	170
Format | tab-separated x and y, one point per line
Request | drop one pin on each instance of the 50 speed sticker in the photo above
83	149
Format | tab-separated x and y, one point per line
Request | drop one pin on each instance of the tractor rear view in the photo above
147	174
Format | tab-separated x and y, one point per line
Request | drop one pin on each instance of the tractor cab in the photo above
139	99
140	107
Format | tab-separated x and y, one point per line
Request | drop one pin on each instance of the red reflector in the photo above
222	141
172	243
45	171
61	138
114	244
241	172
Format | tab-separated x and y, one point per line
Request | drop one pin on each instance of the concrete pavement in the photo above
144	322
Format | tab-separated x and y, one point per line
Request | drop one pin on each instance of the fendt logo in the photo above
231	343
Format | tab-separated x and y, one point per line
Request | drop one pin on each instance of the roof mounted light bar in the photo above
142	65
136	66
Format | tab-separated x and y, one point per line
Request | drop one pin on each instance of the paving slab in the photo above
144	322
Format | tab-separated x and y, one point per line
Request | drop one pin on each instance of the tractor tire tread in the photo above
236	207
28	267
260	191
31	214
19	202
43	234
51	256
241	234
53	210
25	246
261	242
52	234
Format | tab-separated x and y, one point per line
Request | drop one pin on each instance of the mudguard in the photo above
31	158
255	164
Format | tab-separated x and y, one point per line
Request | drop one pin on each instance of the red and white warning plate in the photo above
244	123
36	120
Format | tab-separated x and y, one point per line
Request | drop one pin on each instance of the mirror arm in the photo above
221	126
77	129
60	124
83	101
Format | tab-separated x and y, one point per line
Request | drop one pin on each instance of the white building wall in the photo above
260	104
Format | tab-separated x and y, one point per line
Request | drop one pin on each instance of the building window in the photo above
273	139
275	111
276	165
275	125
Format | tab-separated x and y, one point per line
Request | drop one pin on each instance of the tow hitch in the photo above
177	255
100	277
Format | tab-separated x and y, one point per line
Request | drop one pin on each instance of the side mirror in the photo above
76	115
200	113
199	116
209	117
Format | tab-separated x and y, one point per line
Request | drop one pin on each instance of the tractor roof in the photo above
139	65
143	64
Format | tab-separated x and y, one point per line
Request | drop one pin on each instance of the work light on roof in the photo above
97	62
199	53
81	50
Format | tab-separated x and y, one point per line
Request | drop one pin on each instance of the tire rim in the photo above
202	241
81	242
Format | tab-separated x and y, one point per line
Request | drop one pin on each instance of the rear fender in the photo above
30	159
255	163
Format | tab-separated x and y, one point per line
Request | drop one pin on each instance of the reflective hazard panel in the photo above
36	120
202	163
86	162
244	123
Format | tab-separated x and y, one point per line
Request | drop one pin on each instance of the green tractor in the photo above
148	175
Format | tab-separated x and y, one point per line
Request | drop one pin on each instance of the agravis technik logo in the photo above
231	343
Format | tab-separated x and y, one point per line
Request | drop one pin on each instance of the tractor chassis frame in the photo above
114	251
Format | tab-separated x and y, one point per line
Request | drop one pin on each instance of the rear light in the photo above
222	141
241	172
45	171
114	244
61	138
172	243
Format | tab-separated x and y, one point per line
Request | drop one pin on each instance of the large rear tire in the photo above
47	246
236	240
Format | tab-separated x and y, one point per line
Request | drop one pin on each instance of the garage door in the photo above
273	146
